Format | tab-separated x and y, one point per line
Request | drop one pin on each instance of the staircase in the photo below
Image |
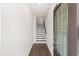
40	35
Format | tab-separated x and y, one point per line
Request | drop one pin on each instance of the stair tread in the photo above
40	37
40	34
40	40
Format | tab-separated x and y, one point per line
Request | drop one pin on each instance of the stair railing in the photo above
44	26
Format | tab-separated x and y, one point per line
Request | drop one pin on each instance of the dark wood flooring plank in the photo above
40	50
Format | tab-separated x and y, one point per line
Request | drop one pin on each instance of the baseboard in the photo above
30	49
50	50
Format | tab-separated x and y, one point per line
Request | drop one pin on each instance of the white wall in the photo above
34	28
39	21
0	29
16	29
49	27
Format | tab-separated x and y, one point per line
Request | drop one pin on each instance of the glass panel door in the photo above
61	29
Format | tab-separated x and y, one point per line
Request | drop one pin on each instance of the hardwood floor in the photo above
40	50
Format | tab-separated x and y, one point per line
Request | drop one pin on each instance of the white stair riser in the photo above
40	35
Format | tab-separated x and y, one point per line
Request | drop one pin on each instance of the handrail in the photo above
44	27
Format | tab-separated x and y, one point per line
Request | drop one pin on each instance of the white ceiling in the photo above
38	9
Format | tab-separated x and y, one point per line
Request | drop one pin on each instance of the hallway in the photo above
27	29
40	50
